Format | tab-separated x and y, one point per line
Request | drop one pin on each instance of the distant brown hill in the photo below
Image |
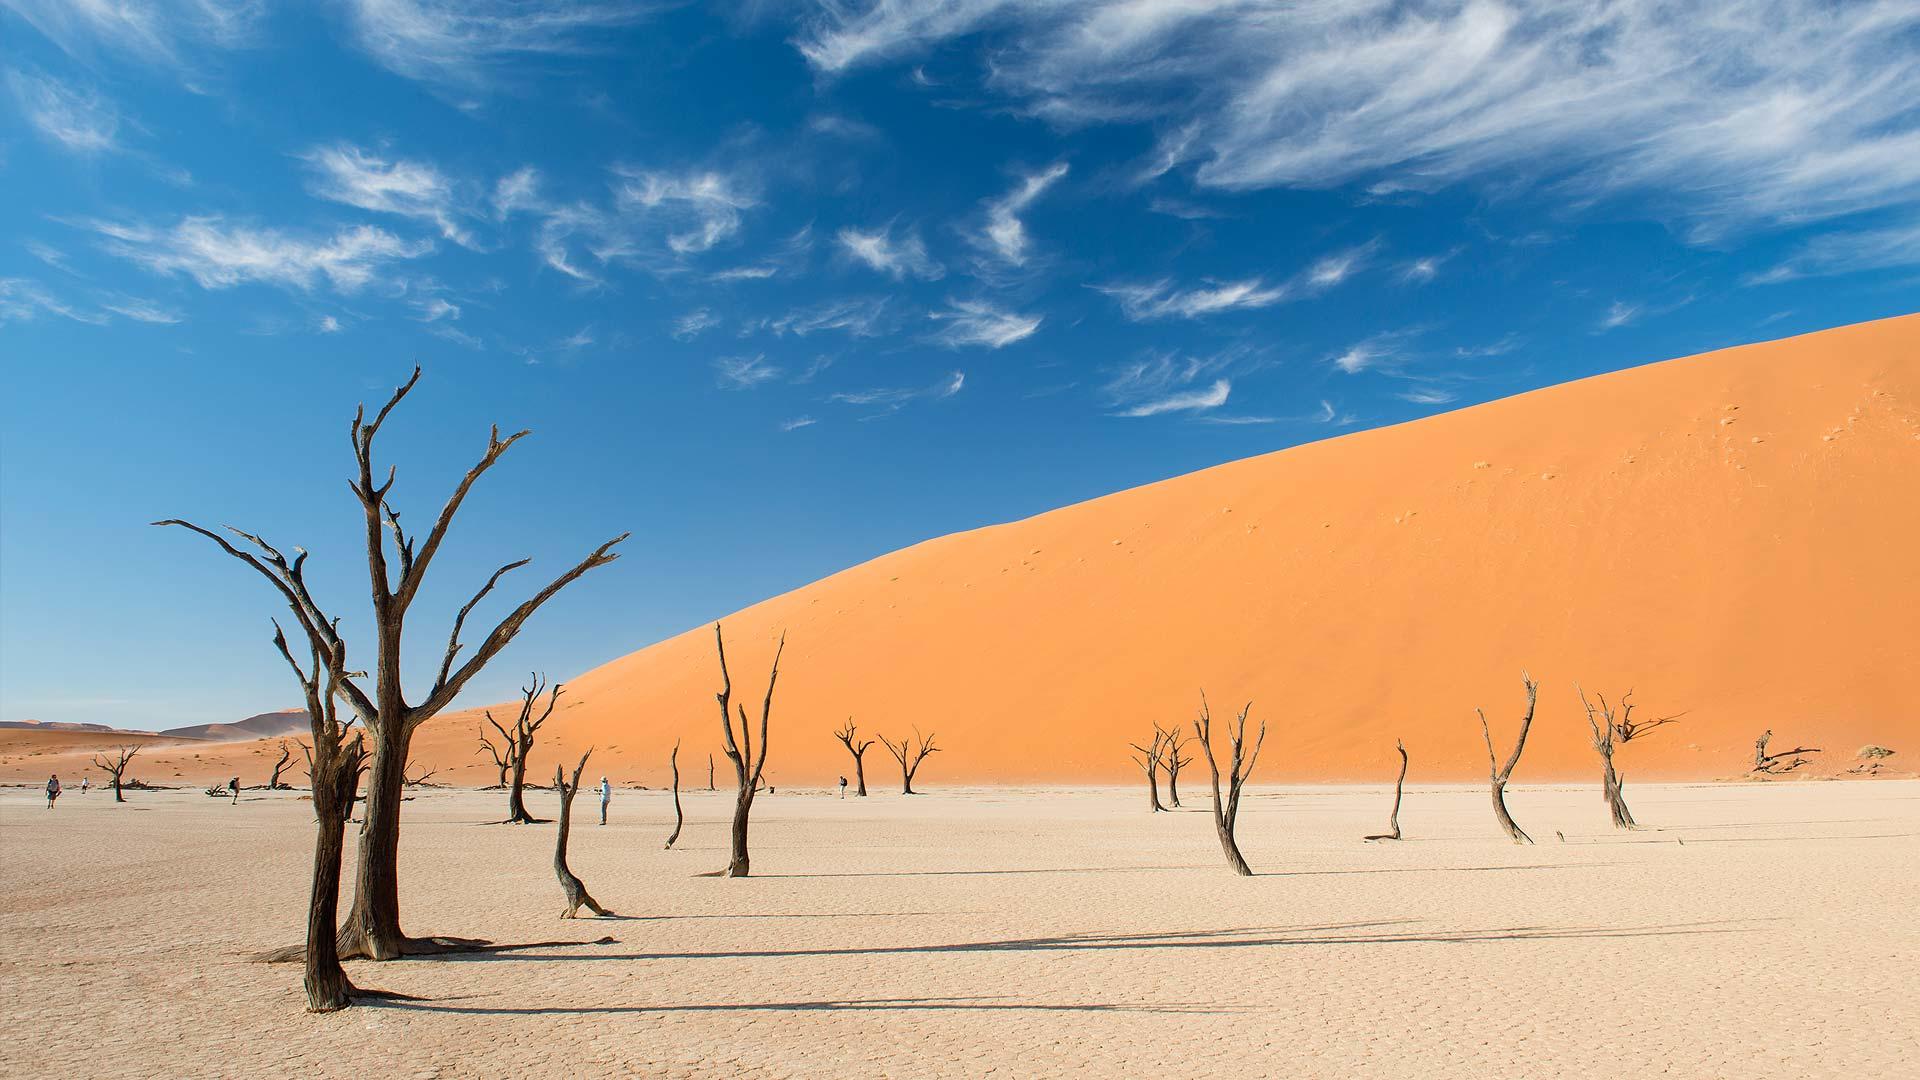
265	725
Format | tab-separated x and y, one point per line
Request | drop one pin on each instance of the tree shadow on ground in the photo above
934	1004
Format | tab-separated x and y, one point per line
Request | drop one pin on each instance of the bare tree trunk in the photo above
910	757
286	755
517	813
576	890
1226	811
1148	758
847	736
710	786
1499	775
1393	821
371	929
327	986
679	818
747	766
116	767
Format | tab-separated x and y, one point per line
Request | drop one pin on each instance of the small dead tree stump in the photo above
1393	821
1500	774
577	895
1776	764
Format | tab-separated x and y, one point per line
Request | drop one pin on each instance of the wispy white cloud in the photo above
145	311
896	258
1619	314
797	423
78	120
656	219
466	44
1426	396
1163	382
1359	357
700	208
744	372
1004	233
1163	300
347	174
1846	252
1209	397
859	317
977	322
892	399
694	323
219	255
22	299
155	31
434	309
1736	111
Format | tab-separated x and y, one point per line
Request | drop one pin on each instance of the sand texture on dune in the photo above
1732	534
1013	932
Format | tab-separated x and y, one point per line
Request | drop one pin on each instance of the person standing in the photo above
606	793
53	789
83	785
843	787
233	788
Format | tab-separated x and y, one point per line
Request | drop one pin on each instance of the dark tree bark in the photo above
1612	724
286	755
372	925
679	818
1226	813
847	735
1149	760
524	728
1499	775
1775	764
501	754
1174	763
116	767
1393	821
577	895
910	757
710	786
747	767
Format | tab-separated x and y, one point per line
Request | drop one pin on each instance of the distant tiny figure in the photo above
53	789
843	787
606	792
83	785
233	788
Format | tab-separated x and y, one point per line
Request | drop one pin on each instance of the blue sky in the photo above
781	287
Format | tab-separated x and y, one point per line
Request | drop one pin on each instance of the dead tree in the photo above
334	765
1613	725
520	743
1176	738
910	757
710	786
1149	760
416	779
1776	764
501	754
747	767
286	755
577	895
1226	812
847	735
116	767
1499	775
372	926
1393	820
679	818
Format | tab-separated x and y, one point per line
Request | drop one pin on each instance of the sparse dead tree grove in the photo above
1776	764
286	755
371	928
116	767
570	883
1613	725
747	767
520	743
1393	820
1226	812
1500	774
679	818
1149	758
847	735
1174	762
910	756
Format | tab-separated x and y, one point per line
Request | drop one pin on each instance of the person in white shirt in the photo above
606	793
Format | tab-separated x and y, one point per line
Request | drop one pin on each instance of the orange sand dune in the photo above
1734	535
1731	534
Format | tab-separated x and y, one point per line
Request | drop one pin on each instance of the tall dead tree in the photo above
1613	725
372	926
520	743
679	818
501	753
577	895
847	735
1226	812
1775	764
286	755
1393	821
1498	774
910	756
333	763
116	767
747	767
1176	738
1149	760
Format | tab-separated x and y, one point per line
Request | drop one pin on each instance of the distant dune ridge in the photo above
1732	535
